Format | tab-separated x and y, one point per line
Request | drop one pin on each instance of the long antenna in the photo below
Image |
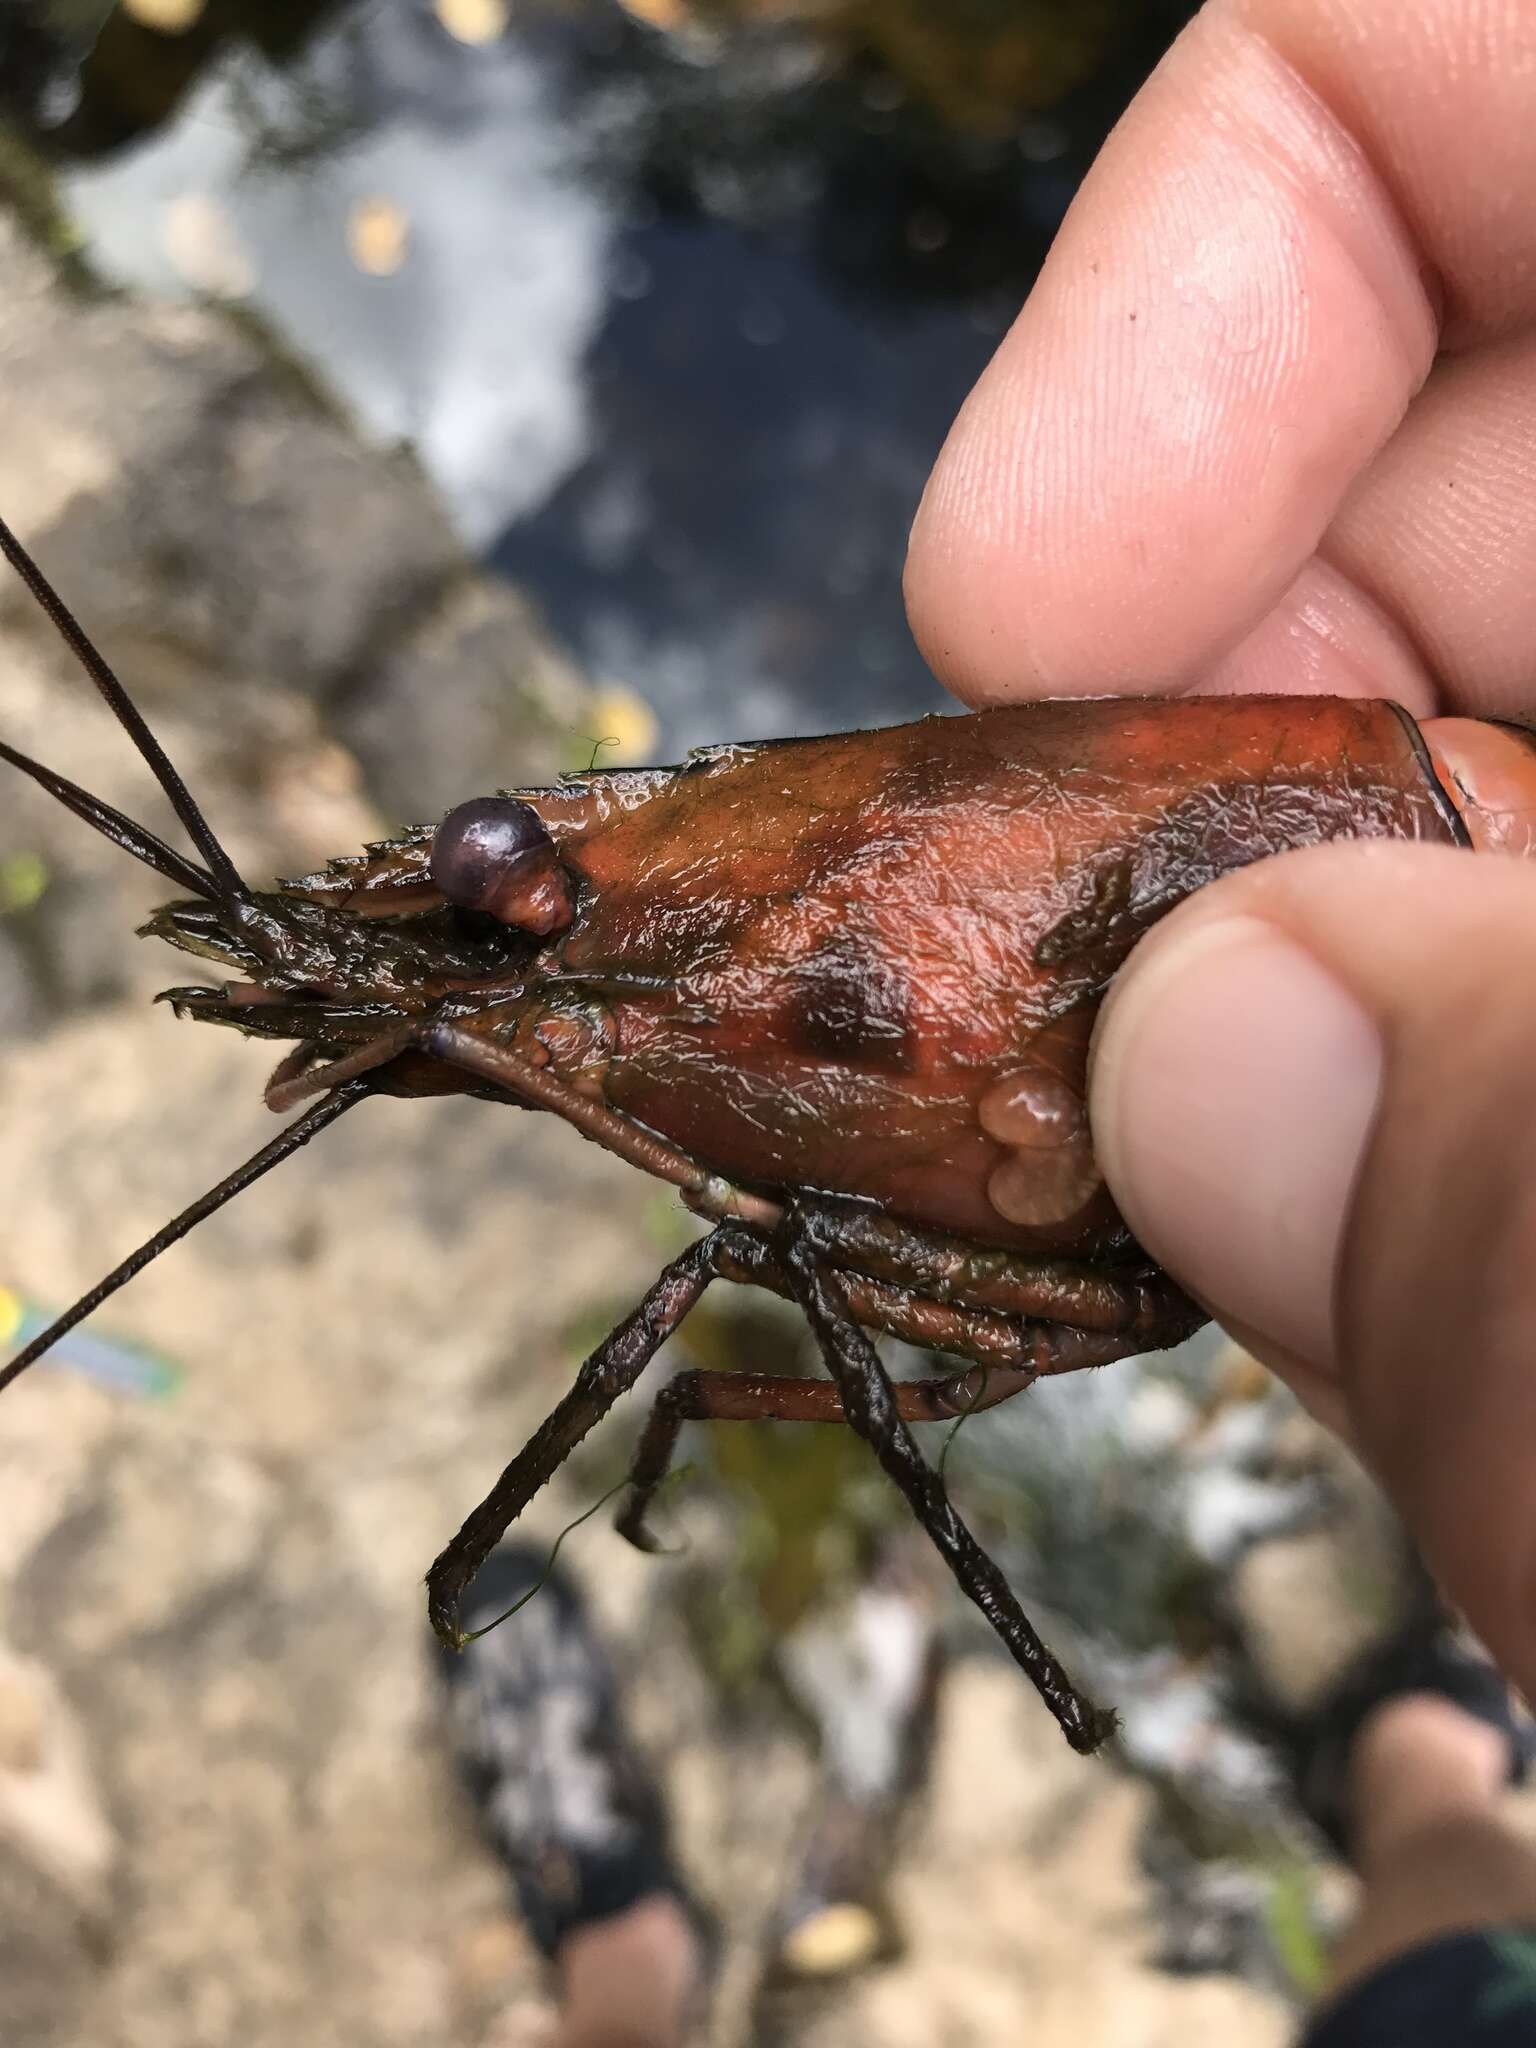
225	875
135	839
281	1147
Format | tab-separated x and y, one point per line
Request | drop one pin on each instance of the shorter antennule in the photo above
226	876
135	839
285	1143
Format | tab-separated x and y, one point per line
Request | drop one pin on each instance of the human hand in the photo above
1268	422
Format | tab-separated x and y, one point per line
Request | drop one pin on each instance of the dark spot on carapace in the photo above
1208	832
849	1002
1106	899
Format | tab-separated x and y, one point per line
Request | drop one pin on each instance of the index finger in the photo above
1307	199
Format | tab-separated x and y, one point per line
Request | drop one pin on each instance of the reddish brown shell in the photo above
870	964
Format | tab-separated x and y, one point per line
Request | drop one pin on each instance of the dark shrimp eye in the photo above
494	854
477	844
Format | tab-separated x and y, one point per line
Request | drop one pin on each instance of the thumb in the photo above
1314	1096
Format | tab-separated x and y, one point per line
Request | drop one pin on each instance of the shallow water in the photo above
676	321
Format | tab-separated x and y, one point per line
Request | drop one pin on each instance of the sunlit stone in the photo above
624	727
378	236
204	245
473	21
167	17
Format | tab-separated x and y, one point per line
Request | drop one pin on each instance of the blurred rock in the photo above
22	1007
226	1586
471	697
49	1802
268	586
183	490
1307	1605
56	1855
49	1958
1027	1914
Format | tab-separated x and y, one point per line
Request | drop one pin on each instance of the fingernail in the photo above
1234	1086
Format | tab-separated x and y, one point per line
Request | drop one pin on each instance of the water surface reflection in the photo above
676	320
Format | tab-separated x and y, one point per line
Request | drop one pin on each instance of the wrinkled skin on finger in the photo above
1268	419
1333	1148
